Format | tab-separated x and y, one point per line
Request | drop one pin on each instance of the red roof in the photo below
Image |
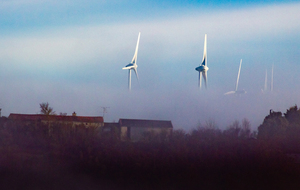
37	117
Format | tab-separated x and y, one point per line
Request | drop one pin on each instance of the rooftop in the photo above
36	117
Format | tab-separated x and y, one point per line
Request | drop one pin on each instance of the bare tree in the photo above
210	124
46	109
233	130
246	129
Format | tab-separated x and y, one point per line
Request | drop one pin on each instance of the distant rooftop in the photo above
36	117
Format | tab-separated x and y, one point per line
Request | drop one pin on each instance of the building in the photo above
111	130
74	120
62	125
58	123
137	129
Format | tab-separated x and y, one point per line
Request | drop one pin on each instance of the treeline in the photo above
204	158
282	130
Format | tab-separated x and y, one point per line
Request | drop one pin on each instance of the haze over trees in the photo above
205	158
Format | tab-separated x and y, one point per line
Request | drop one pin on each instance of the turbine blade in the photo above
134	59
230	92
204	60
266	81
238	77
136	73
205	78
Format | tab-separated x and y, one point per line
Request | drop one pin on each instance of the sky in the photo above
71	53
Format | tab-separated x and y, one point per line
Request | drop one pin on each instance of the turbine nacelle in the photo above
238	92
130	66
202	68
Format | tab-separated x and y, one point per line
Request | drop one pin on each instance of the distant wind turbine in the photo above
237	83
133	65
266	83
202	69
272	78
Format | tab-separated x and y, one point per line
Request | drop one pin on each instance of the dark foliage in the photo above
46	109
282	129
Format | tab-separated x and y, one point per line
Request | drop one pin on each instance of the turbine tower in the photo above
266	83
202	69
132	65
272	78
237	84
264	90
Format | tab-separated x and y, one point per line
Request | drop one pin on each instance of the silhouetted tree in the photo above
274	126
152	136
246	129
233	130
210	124
46	109
179	135
293	115
205	135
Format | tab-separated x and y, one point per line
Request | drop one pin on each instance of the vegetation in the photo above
205	158
282	129
46	109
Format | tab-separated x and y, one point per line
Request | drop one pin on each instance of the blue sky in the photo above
71	54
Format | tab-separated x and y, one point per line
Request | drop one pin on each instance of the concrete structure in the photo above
137	129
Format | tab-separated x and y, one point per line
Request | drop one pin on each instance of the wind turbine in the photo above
133	65
272	78
202	69
237	83
266	83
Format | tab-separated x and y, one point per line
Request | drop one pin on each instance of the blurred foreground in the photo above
205	158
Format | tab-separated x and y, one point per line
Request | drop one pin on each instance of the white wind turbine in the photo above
266	81
202	69
237	83
133	65
272	78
